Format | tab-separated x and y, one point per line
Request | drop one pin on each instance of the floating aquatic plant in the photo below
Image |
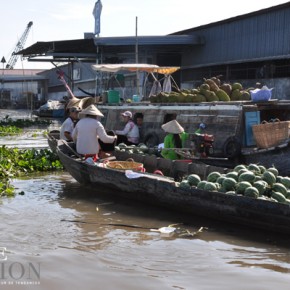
15	162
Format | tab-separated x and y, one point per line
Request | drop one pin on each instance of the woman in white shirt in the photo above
88	130
69	124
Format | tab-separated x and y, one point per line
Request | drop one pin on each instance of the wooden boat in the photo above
52	139
230	123
234	142
52	109
163	190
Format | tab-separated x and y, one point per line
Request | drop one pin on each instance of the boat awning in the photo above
150	68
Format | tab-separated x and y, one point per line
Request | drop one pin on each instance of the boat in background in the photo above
51	109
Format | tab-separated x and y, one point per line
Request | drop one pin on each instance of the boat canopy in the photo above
150	68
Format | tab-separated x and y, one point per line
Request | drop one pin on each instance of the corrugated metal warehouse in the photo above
249	48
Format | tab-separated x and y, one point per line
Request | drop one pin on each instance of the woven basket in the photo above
270	134
125	165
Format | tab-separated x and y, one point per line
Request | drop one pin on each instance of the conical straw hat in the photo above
81	103
172	127
90	110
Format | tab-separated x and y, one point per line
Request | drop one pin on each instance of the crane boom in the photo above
20	44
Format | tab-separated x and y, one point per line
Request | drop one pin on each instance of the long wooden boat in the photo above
230	123
164	191
52	139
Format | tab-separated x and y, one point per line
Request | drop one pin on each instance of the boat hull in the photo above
57	113
162	191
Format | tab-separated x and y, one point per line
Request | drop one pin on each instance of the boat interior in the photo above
176	169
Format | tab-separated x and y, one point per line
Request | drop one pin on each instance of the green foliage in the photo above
9	130
14	162
22	123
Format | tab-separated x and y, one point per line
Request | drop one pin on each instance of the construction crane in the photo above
20	45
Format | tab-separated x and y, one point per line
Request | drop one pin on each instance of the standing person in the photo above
69	124
130	134
175	138
87	132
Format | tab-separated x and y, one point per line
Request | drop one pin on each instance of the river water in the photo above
61	235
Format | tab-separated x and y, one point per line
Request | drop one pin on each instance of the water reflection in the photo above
32	137
83	239
60	222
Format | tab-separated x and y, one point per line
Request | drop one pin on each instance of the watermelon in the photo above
193	179
286	182
201	184
233	174
261	185
229	183
257	178
220	179
254	168
231	192
184	184
210	186
251	192
247	176
278	196
262	168
239	167
273	170
288	194
279	187
243	171
269	177
242	186
213	176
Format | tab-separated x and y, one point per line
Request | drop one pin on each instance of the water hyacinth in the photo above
15	162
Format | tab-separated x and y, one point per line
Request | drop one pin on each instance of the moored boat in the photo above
164	191
228	123
51	109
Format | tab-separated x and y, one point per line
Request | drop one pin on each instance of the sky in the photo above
70	19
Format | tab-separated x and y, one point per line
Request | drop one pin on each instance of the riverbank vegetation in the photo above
15	162
22	123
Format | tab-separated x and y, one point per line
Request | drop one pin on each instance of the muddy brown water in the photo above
61	235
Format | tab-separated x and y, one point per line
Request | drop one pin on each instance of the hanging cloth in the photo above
156	87
167	84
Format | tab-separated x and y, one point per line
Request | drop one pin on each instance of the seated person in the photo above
138	120
87	132
130	134
69	124
175	138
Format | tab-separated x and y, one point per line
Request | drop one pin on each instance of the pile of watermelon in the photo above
252	180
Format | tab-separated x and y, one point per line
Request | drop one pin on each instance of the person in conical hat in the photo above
172	127
91	110
175	138
81	103
88	131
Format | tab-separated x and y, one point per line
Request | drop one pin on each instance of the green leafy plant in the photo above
15	162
